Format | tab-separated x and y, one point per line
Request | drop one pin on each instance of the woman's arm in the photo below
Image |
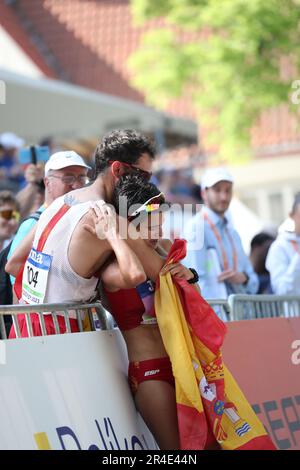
126	271
113	279
127	244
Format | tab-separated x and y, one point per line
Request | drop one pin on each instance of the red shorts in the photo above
159	369
152	369
36	327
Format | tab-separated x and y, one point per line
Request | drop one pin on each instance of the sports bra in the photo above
132	307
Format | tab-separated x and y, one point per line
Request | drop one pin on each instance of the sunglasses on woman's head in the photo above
153	204
146	175
9	214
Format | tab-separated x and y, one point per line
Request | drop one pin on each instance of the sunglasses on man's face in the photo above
146	175
9	214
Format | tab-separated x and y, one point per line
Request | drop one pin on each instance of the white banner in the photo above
68	392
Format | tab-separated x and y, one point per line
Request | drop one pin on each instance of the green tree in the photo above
230	64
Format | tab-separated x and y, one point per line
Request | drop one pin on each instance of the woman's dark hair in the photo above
260	239
123	146
131	192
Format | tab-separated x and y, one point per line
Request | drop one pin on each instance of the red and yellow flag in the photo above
209	401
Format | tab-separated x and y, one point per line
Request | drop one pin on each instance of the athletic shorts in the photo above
159	369
152	369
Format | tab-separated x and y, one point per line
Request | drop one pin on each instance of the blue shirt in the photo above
23	230
197	253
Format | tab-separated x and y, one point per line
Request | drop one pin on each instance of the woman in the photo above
150	372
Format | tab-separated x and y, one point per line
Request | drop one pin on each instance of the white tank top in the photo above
64	284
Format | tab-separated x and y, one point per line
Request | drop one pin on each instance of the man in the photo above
64	171
220	261
67	242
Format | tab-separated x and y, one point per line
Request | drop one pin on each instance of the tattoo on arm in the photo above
71	200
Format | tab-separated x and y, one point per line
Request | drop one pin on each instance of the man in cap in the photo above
64	171
218	255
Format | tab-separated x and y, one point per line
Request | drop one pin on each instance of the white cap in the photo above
63	159
213	176
9	140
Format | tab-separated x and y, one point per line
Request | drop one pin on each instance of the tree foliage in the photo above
230	63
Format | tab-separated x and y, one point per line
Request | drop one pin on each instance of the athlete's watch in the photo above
195	278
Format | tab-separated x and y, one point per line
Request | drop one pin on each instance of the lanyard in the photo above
295	246
221	244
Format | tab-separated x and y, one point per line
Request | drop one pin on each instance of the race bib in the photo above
35	277
146	292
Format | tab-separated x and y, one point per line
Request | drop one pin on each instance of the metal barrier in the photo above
248	307
95	314
221	307
238	307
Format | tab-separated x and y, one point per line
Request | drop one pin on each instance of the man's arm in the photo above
23	230
33	175
19	256
245	275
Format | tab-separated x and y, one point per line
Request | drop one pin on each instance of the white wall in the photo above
14	59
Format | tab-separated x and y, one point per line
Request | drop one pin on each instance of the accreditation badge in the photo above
35	277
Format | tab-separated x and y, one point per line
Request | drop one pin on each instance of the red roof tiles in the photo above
11	23
91	41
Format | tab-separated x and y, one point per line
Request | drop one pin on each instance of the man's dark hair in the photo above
121	145
135	189
260	239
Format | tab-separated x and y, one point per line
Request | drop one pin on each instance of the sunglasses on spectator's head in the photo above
153	204
9	214
146	175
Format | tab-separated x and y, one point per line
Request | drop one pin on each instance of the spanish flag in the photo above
209	401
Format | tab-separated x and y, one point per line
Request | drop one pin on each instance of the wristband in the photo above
195	278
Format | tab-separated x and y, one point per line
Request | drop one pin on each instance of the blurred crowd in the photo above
273	265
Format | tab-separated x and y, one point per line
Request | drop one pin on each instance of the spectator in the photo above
218	256
179	186
9	217
64	171
260	245
11	173
283	260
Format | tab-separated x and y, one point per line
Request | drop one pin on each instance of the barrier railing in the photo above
238	307
248	307
93	315
221	307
